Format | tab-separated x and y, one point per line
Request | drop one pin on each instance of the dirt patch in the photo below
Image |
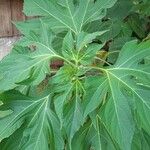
6	45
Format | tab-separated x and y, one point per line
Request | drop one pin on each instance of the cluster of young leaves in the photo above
98	99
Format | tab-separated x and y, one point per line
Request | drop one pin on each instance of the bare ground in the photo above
6	45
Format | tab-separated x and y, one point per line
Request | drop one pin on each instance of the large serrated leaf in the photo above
31	68
38	119
67	14
127	80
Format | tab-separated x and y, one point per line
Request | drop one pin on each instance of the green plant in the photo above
98	98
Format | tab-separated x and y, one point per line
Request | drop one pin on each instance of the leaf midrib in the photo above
129	69
130	88
109	80
82	21
54	16
71	16
44	115
19	115
134	56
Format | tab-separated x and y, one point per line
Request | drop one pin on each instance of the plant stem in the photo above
103	61
96	68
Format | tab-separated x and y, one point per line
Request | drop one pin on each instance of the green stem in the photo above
109	53
97	68
103	61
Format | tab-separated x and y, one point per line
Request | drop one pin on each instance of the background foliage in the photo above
97	97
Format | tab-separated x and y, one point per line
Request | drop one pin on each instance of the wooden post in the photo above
10	10
5	15
17	14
